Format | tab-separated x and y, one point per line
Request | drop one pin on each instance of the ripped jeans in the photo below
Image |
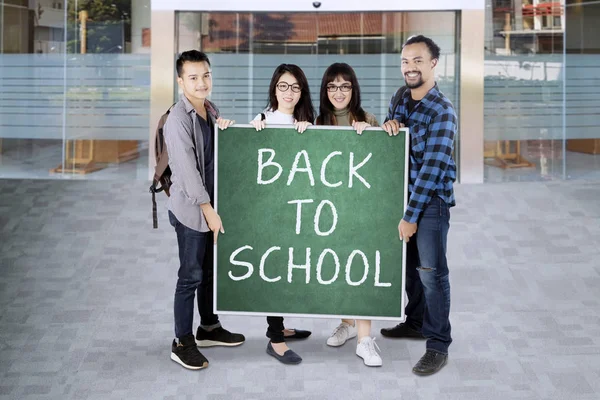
427	284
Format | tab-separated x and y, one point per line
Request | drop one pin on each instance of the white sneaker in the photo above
341	334
366	350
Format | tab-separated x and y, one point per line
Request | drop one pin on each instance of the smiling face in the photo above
288	98
338	98
417	65
195	80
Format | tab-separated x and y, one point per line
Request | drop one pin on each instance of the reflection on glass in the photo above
524	88
582	157
75	96
541	92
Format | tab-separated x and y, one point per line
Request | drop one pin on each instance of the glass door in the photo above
245	48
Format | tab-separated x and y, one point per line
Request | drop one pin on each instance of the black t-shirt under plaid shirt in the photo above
432	125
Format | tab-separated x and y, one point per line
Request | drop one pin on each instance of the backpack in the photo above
162	172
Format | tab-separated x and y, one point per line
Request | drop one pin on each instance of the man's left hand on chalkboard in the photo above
301	126
224	123
392	127
406	230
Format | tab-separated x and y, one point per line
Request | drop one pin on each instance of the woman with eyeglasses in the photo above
289	100
289	104
340	100
340	106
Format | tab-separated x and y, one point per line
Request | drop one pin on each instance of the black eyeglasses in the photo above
283	86
343	88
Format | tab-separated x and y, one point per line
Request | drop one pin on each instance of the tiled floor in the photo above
86	290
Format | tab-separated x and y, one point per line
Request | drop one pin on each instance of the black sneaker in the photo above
402	331
218	337
186	353
430	363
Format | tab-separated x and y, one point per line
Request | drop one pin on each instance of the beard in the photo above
416	84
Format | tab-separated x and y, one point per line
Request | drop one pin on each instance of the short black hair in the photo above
434	49
190	56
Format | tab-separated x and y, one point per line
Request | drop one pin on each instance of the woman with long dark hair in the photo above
340	99
289	104
340	106
289	100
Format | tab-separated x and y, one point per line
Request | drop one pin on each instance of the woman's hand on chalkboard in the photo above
258	125
392	127
301	125
224	123
359	127
212	219
406	230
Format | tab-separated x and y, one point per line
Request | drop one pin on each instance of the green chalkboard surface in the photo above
311	222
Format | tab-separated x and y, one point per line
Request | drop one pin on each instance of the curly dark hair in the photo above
434	49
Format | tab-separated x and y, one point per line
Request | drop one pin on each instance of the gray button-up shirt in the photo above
185	144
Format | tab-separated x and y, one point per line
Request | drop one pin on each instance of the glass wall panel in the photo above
524	90
582	103
542	90
245	48
75	89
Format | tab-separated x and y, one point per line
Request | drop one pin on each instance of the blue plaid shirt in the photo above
432	127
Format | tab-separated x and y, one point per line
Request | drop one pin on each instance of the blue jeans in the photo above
195	278
427	284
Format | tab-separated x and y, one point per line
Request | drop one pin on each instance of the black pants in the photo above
275	329
195	278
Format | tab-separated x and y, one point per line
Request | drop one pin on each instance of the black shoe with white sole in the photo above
218	337
186	354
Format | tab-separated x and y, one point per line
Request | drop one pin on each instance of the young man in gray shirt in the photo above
189	136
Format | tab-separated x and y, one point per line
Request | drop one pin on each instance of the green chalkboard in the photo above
349	192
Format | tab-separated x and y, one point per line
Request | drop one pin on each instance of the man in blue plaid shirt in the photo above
430	117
